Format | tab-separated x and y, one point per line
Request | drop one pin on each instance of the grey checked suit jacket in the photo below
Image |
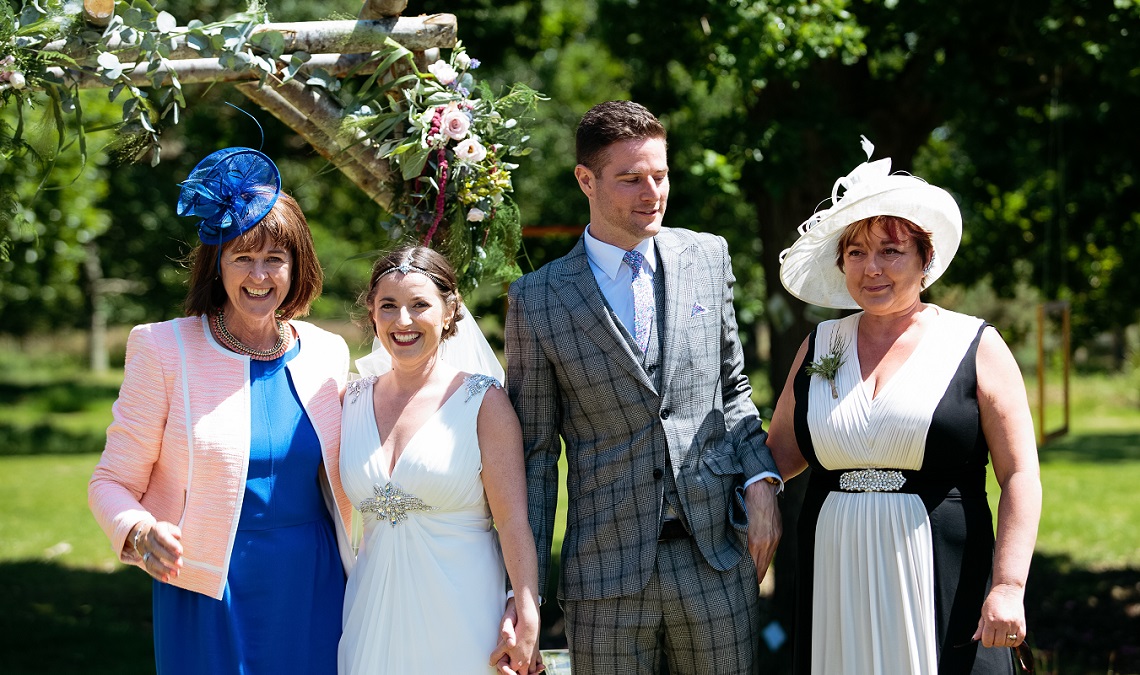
571	373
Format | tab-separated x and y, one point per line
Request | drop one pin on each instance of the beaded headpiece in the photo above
408	268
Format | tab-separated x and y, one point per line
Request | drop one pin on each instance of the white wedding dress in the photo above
428	588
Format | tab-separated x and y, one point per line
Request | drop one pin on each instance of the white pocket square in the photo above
698	309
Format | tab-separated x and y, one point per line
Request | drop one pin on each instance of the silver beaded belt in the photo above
871	480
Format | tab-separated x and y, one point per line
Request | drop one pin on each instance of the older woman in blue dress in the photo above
220	477
897	409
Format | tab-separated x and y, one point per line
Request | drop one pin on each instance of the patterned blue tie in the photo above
642	299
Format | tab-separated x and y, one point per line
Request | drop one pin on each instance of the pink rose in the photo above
455	124
471	150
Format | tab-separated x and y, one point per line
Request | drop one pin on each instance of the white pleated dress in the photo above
873	582
427	592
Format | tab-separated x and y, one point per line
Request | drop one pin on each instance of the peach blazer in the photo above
178	448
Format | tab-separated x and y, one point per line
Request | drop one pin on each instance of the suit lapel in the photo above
676	262
583	300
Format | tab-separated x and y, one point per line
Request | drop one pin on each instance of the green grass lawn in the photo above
43	499
70	607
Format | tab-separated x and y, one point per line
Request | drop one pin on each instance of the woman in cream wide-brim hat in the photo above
897	409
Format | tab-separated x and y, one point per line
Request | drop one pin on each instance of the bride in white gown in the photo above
432	458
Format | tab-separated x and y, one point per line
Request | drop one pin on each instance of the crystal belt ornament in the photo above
392	504
871	480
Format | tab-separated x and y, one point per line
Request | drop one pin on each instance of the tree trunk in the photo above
97	336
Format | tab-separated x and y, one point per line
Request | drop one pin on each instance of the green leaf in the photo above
108	60
165	22
413	165
129	107
135	18
271	42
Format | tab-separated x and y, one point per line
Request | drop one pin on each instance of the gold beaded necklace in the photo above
223	335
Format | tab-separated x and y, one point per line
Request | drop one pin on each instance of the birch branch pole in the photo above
316	118
199	71
315	37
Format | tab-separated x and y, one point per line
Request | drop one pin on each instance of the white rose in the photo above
455	124
471	150
443	72
476	215
462	60
16	79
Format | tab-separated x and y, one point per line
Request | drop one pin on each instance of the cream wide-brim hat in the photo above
808	268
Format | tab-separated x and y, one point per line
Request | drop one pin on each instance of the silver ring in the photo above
146	557
1011	637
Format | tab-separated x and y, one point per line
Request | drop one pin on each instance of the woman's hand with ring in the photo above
161	547
1002	623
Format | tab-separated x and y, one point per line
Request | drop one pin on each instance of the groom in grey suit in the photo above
633	360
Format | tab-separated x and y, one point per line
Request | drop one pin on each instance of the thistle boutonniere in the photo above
828	365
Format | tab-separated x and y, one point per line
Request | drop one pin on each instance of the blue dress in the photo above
280	610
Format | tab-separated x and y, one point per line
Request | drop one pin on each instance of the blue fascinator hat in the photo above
230	190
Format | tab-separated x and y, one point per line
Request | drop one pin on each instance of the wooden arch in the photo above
337	47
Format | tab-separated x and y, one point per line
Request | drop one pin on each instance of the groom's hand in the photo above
764	527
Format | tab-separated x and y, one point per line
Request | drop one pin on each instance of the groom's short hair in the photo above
611	122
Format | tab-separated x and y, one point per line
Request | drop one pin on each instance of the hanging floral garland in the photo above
452	162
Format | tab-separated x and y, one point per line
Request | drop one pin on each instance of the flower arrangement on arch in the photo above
452	165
